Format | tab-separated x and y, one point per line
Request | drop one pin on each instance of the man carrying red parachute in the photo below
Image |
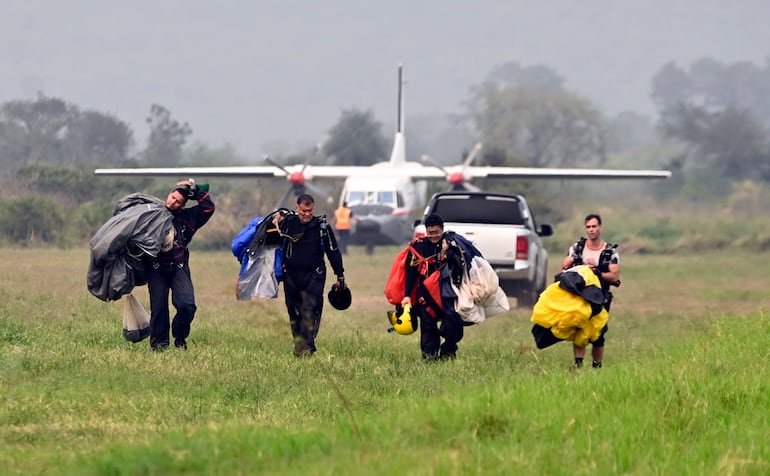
431	275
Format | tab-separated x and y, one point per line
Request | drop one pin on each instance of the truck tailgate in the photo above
496	242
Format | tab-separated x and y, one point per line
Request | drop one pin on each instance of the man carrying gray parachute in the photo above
145	242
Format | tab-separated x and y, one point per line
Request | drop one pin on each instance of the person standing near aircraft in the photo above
306	238
342	223
170	270
426	256
605	262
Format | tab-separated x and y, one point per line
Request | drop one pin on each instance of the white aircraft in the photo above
384	197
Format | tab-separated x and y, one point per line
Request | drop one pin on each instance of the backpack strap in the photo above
417	258
324	225
579	247
605	258
421	262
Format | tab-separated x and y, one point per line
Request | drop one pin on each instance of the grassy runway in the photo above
684	390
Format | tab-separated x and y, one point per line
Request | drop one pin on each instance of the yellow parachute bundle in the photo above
568	315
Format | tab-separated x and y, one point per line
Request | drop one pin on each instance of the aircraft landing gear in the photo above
369	248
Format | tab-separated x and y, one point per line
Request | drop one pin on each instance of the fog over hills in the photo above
251	73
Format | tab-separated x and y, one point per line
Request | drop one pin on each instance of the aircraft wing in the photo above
562	173
246	171
412	170
417	171
471	173
324	171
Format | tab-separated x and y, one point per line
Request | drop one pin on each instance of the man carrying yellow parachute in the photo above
570	309
576	306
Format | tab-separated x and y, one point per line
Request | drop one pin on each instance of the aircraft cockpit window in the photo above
373	197
386	198
355	198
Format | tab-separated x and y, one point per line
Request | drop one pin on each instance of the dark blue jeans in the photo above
161	280
450	327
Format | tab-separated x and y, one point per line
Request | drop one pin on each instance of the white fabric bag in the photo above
136	321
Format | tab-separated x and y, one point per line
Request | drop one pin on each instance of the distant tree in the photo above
33	131
167	138
96	138
671	86
356	139
204	156
512	74
50	131
730	143
628	131
14	147
722	112
542	128
714	86
493	156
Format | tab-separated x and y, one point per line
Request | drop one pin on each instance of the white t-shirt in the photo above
591	256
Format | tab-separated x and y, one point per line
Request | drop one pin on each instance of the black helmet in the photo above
340	299
136	335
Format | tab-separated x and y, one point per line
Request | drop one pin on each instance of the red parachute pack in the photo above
394	287
430	287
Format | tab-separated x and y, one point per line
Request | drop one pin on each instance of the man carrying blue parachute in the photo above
290	246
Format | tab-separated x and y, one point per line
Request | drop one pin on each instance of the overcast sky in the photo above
247	73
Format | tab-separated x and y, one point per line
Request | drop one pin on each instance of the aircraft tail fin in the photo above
398	155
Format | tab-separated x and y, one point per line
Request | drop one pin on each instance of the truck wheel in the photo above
510	288
527	297
531	291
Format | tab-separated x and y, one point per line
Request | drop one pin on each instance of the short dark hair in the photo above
591	216
305	198
434	220
182	191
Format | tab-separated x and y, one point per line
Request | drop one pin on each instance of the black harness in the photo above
605	258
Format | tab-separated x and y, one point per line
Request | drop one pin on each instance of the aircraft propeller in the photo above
299	181
457	180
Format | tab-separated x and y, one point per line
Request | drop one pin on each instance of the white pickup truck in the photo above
503	228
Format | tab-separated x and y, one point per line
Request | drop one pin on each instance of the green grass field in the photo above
684	389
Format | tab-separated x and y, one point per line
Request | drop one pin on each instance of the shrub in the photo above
32	220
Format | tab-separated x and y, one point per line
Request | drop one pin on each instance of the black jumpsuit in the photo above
304	247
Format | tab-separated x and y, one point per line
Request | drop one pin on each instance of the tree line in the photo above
712	131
